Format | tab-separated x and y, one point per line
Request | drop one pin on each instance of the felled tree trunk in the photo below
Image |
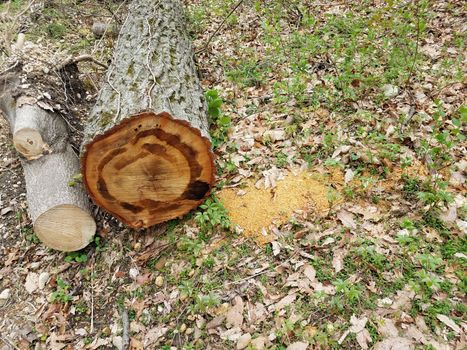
59	212
146	154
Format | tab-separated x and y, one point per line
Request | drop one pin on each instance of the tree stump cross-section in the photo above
149	169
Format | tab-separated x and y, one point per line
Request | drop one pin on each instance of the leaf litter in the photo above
346	247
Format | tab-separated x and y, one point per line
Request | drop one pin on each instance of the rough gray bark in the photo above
56	172
146	154
37	132
152	69
59	212
58	206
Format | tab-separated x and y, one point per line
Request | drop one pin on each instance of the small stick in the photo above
92	300
126	326
219	27
81	58
8	342
9	68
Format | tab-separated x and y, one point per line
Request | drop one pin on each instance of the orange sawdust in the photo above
257	209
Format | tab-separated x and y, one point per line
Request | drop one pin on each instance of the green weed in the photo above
78	257
212	214
220	123
61	293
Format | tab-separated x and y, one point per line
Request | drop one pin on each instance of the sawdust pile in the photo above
257	209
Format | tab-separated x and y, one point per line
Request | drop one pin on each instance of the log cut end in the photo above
29	143
65	227
149	169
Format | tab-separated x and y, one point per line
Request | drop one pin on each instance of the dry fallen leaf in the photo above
144	278
347	219
363	338
349	175
403	299
287	300
45	106
154	334
135	344
357	324
5	294
234	317
450	215
32	282
448	322
215	322
298	346
53	308
327	289
390	90
394	343
341	149
275	135
98	343
338	260
117	342
58	342
243	341
276	248
387	328
232	334
310	272
256	313
414	333
6	210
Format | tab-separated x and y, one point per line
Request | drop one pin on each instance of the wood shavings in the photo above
258	208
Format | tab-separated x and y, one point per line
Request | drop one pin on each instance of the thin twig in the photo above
7	341
11	28
410	115
109	8
96	45
417	14
220	26
262	272
9	68
118	93
149	65
91	328
126	327
81	58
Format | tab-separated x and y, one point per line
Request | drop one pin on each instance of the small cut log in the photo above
59	212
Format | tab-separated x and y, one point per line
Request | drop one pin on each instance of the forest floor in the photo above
339	215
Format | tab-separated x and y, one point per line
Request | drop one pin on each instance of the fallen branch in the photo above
126	327
220	26
57	204
81	58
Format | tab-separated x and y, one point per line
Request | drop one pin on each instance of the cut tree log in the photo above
60	213
34	129
146	154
